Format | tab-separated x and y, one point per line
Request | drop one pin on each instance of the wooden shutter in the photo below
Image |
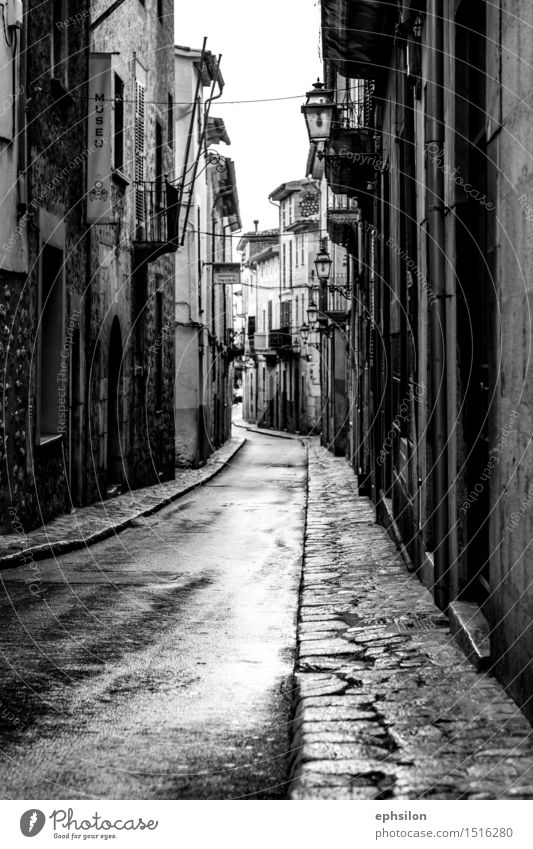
139	149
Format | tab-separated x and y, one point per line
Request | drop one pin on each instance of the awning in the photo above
357	36
216	131
229	197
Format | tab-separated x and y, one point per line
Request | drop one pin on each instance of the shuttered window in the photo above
290	263
119	124
170	126
140	152
286	314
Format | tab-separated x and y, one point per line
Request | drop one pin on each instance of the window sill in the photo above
120	178
47	438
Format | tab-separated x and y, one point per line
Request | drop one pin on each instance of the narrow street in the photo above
158	664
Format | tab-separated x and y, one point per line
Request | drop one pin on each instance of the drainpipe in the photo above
437	267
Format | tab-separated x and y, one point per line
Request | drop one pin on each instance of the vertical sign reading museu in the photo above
99	208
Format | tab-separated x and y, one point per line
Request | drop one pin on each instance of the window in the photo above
170	119
59	41
269	305
290	263
53	374
284	213
159	337
302	242
284	265
119	124
286	314
158	164
160	10
296	251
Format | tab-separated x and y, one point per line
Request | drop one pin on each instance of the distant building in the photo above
209	215
260	297
282	377
299	241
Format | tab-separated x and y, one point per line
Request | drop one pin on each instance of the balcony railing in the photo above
341	203
156	219
335	301
281	341
354	108
343	215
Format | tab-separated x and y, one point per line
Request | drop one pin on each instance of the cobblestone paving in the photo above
387	706
88	525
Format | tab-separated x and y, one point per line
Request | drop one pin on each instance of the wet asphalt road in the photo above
157	665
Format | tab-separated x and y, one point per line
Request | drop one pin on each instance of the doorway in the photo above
473	311
115	473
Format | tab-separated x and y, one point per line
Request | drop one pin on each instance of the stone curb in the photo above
45	550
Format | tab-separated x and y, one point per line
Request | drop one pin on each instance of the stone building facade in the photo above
44	260
131	277
431	144
87	364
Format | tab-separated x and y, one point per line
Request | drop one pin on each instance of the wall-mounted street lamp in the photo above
296	348
304	333
323	263
318	112
312	315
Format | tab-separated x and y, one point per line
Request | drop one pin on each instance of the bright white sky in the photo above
269	49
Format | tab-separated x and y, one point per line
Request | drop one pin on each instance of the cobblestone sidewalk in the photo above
387	706
88	525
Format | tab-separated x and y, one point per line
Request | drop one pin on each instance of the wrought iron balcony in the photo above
352	162
156	220
281	342
343	217
358	35
337	296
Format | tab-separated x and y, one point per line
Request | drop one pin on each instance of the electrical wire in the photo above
191	102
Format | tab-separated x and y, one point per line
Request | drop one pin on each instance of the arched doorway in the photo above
114	401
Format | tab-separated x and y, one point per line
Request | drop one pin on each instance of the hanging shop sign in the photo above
226	274
99	148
